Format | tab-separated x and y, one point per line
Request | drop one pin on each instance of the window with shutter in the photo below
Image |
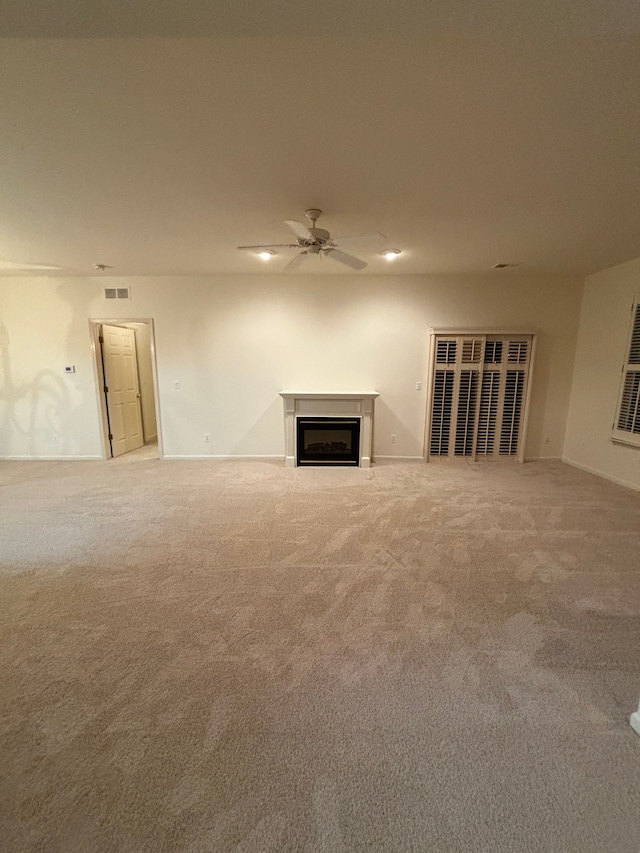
511	412
441	412
465	420
446	352
488	412
518	352
493	352
626	427
471	351
478	395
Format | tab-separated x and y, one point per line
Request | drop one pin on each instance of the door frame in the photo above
98	372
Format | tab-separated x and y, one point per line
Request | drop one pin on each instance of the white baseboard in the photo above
379	458
543	459
634	721
617	480
223	458
288	460
52	458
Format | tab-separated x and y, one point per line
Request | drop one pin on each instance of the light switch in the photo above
418	386
176	384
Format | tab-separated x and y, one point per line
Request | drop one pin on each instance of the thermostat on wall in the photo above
70	368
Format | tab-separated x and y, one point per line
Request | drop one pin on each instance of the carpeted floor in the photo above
237	656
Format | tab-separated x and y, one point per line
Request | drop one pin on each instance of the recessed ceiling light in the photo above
391	254
266	255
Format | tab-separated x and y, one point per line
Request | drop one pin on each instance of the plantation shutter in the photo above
478	395
626	427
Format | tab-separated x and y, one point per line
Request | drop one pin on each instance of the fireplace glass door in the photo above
328	441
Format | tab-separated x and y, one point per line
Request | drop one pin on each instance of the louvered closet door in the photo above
478	395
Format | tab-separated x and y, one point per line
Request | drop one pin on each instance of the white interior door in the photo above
122	388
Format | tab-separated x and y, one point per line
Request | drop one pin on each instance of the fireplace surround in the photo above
336	418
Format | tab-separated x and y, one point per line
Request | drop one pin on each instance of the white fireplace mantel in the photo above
339	404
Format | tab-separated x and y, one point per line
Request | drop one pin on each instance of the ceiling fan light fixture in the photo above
311	241
391	254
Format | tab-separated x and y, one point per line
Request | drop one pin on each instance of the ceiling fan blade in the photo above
299	229
271	246
375	236
344	258
18	265
295	262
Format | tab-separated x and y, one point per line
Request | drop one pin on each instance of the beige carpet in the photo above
236	656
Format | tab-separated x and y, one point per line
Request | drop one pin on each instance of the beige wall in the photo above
600	353
234	342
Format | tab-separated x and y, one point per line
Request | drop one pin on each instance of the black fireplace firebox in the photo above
328	441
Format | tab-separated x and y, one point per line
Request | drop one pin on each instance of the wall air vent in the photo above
117	293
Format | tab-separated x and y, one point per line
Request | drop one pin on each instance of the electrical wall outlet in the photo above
55	439
418	386
176	384
206	437
393	438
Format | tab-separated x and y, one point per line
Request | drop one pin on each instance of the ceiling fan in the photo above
316	241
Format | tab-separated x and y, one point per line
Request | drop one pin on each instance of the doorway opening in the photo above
127	388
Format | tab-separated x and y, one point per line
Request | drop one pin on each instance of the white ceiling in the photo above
156	137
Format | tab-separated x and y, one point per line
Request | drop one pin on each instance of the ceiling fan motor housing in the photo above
320	236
